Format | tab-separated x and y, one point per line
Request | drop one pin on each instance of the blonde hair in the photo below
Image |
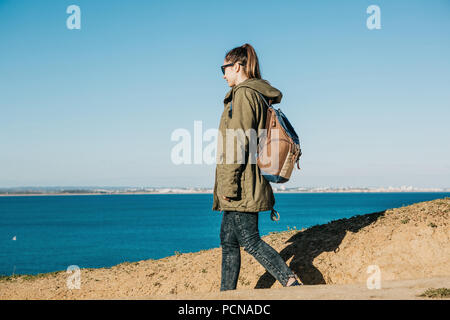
246	56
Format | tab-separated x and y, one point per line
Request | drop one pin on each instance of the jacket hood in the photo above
260	85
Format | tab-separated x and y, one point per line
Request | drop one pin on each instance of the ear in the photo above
236	67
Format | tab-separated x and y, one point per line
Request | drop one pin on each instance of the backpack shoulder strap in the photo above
269	105
262	97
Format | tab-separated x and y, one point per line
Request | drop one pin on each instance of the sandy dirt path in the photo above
390	290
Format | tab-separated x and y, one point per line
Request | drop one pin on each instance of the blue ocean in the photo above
92	231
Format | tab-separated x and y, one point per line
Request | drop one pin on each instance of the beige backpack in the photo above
279	148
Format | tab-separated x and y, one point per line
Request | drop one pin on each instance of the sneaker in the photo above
296	283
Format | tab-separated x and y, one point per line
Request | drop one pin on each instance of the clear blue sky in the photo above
97	106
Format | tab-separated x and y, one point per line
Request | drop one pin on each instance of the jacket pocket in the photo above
241	192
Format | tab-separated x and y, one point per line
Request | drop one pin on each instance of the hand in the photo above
226	198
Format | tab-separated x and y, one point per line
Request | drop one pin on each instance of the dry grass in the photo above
436	293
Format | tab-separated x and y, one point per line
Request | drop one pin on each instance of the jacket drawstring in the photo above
274	215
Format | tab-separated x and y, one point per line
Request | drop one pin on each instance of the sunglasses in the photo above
228	65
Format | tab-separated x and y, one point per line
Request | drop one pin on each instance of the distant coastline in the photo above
64	191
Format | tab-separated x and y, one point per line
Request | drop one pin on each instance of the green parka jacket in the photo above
241	181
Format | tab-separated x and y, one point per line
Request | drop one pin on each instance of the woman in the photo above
240	191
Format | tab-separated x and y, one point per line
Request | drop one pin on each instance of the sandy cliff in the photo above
406	243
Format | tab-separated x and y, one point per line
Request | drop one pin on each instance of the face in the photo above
231	73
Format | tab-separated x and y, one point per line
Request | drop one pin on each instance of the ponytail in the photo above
246	56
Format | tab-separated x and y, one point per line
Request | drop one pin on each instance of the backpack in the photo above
281	139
